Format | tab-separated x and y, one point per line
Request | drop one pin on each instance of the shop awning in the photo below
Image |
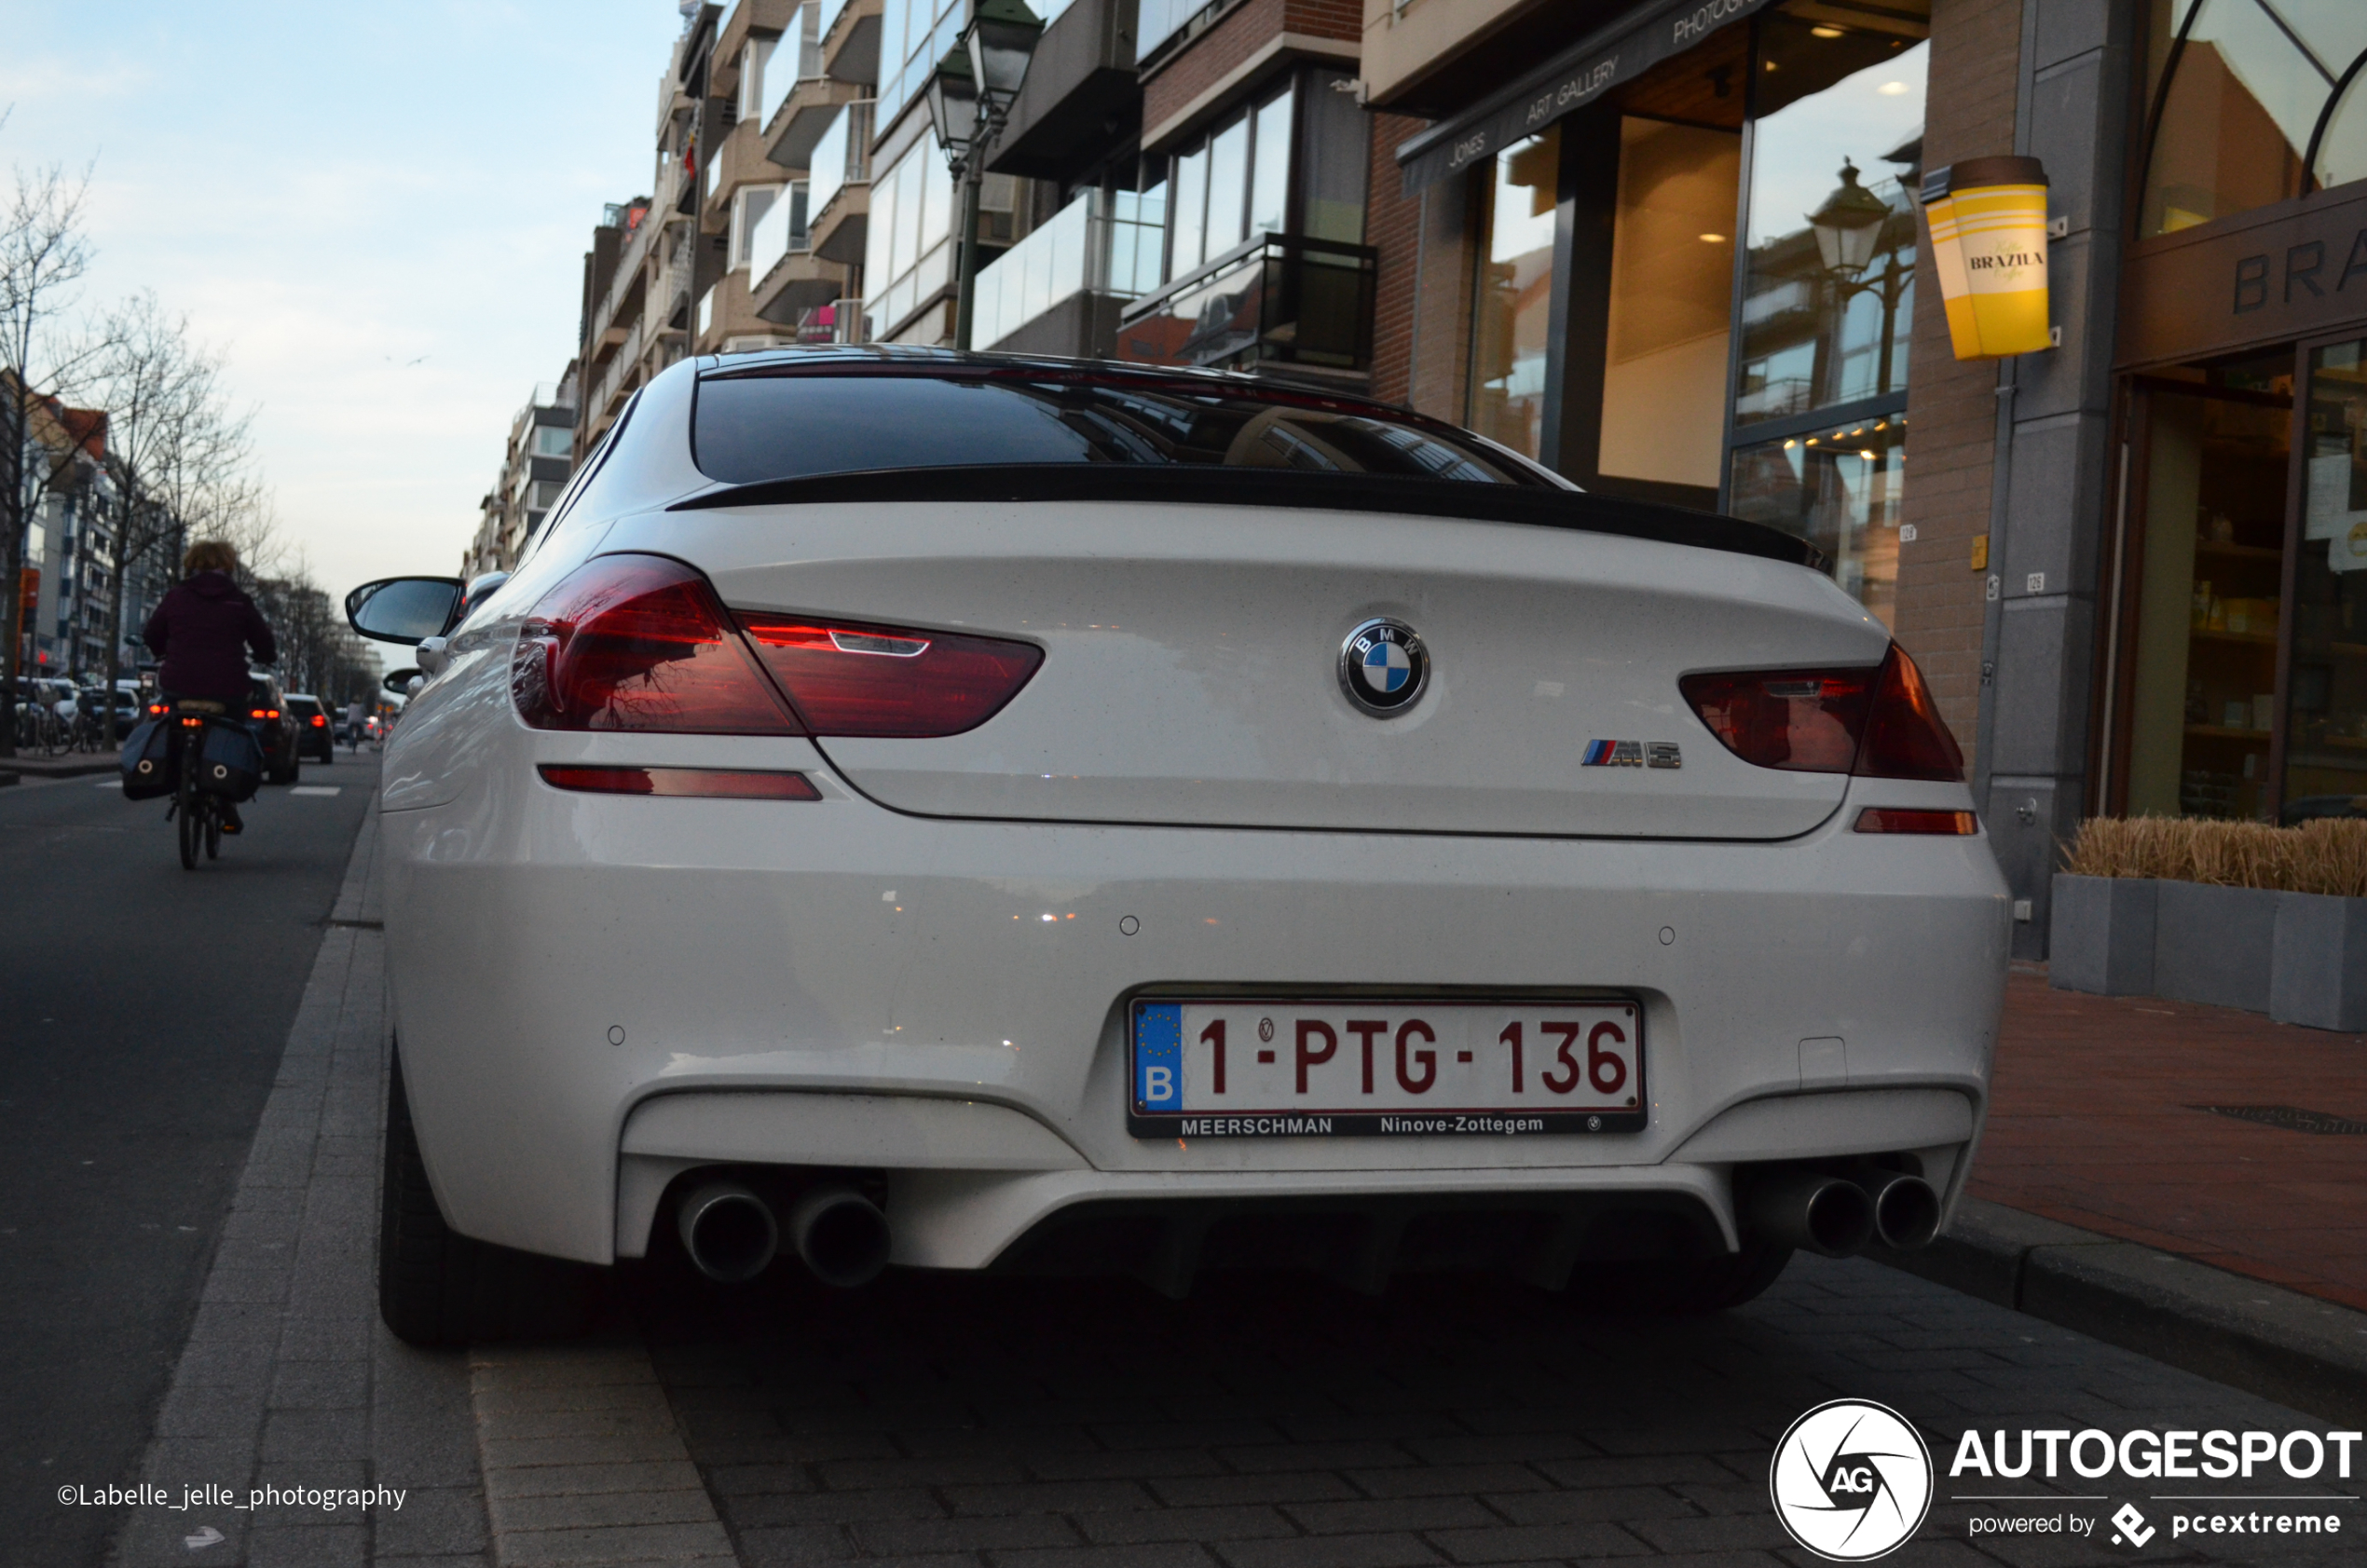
1618	53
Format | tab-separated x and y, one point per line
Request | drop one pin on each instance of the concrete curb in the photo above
2278	1343
42	767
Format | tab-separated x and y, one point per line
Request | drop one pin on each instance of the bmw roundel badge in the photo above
1384	667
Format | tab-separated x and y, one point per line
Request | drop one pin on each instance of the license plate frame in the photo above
1168	1030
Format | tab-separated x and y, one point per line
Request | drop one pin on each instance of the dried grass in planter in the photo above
2328	856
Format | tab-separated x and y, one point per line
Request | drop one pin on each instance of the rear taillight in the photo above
1902	819
640	643
319	722
720	784
846	679
1877	723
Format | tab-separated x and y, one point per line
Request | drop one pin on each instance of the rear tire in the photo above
1677	1287
213	831
189	831
437	1288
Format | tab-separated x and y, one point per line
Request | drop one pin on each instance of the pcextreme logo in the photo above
1851	1480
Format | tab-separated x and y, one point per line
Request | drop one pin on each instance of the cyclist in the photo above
202	629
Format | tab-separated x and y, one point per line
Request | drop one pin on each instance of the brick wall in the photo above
1246	29
1952	407
1392	225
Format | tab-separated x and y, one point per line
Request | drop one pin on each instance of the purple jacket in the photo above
202	629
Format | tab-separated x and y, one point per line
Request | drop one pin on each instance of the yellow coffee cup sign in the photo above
1987	218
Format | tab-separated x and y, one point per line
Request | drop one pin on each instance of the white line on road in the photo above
315	789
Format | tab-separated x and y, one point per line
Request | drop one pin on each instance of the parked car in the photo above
275	728
128	706
314	738
970	811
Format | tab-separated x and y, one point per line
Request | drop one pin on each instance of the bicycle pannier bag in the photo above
147	760
229	762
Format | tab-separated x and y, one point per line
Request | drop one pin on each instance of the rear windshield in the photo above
749	428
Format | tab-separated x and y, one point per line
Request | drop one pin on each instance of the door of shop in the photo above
2235	670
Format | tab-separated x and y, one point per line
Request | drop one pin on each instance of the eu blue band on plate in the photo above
1158	1056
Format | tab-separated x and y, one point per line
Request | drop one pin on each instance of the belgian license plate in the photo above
1270	1067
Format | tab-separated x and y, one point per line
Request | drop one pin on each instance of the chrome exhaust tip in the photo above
729	1232
1905	1210
841	1236
1811	1212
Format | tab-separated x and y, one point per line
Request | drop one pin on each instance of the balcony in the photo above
850	33
1059	291
1082	77
1282	304
805	117
838	185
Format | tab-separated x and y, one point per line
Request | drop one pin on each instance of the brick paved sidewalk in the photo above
2094	1124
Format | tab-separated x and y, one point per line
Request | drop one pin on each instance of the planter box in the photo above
2100	938
2214	944
2321	972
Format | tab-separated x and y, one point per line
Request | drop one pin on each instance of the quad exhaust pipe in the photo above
1837	1216
732	1234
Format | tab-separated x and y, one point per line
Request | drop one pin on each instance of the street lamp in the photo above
1849	226
969	96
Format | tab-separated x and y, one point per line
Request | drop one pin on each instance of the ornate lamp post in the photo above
969	96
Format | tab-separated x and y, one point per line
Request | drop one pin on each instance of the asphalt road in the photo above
142	1012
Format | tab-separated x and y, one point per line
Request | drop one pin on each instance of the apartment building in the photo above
652	258
67	543
1199	190
536	462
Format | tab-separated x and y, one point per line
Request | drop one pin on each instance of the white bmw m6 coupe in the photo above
973	812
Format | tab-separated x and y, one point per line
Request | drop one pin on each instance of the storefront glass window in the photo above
2326	698
1228	168
1672	299
2250	89
1837	149
2209	566
1840	490
1516	294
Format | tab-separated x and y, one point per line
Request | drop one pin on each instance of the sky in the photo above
376	212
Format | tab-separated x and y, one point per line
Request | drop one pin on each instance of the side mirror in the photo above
480	588
404	609
399	681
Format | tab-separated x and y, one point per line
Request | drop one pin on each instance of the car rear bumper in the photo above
596	994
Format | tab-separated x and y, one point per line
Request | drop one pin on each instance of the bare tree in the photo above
179	460
43	253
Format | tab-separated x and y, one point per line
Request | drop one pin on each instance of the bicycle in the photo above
199	812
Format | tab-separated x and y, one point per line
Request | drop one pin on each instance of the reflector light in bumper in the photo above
718	784
1899	819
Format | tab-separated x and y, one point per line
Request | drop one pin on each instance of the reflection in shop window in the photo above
1840	490
1516	294
2251	114
1837	147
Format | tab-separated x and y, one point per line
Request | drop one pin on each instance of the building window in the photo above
905	257
914	35
1234	184
1515	293
1672	304
553	441
2252	101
